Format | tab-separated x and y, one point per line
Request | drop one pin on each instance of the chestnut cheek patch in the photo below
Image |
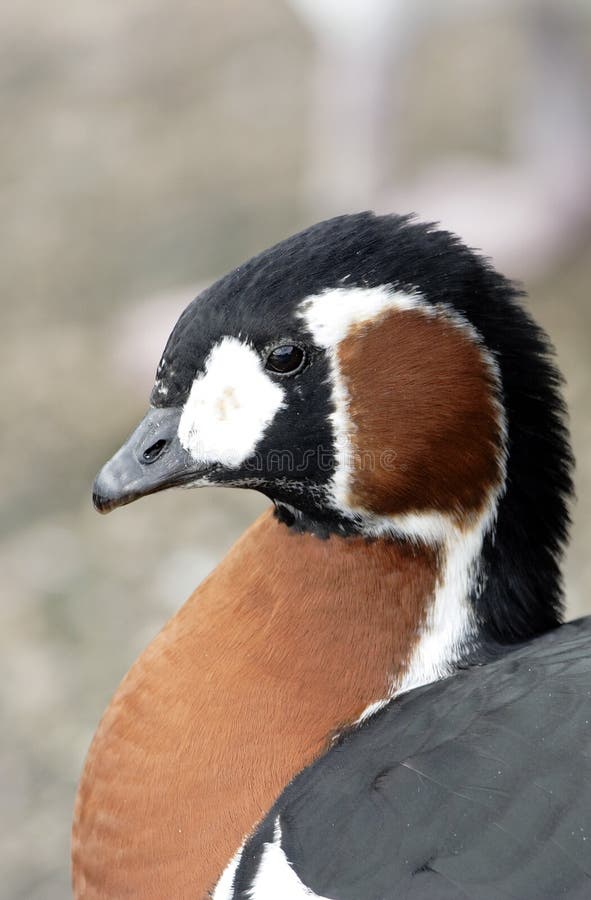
426	425
418	425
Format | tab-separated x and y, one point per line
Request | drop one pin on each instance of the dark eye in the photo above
285	360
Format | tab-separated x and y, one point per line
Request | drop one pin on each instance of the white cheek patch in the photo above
230	406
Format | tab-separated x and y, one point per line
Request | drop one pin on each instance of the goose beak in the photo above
151	460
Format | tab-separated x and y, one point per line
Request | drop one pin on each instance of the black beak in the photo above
151	460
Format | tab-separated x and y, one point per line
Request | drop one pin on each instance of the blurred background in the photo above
147	148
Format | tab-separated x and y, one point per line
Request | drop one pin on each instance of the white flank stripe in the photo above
224	889
275	879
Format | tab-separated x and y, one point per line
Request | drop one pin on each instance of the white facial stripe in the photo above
330	316
450	625
230	406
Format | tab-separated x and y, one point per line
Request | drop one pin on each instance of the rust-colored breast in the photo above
290	638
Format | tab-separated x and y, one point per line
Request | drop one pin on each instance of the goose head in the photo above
372	376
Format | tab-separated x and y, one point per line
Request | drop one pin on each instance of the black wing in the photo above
476	787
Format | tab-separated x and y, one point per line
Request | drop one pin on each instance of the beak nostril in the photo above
152	453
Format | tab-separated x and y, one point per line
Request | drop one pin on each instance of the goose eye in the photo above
285	360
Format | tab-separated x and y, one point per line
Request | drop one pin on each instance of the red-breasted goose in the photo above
369	697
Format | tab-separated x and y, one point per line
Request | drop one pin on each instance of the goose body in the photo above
476	787
324	715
